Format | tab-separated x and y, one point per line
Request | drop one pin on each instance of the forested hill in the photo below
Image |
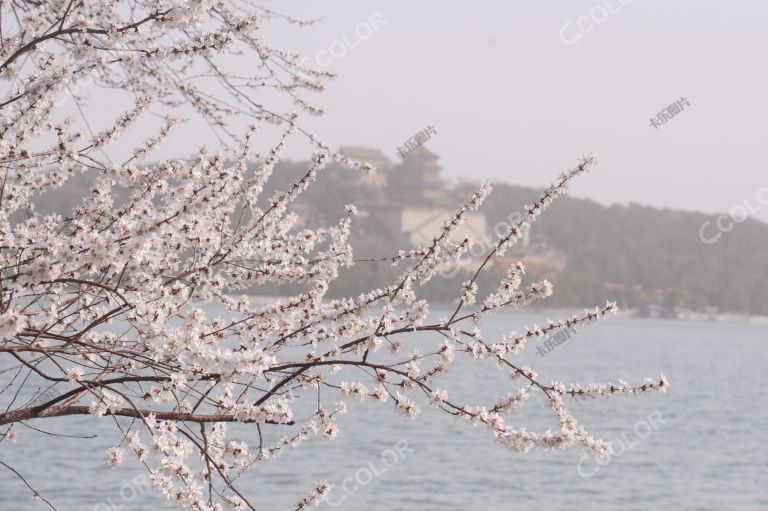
637	255
648	250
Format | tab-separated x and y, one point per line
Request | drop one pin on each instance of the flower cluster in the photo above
137	300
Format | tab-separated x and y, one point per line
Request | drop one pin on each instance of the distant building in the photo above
417	181
415	201
544	262
379	160
411	200
421	225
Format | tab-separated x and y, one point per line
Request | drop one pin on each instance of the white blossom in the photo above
115	457
122	288
74	374
11	323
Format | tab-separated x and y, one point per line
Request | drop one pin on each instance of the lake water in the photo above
702	446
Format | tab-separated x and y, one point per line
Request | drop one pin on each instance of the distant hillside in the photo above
639	256
648	249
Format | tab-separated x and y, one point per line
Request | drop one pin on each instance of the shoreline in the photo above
686	316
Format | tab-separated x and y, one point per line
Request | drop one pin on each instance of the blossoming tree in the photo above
109	302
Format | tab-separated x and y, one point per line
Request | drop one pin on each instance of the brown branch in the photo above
34	492
52	35
31	413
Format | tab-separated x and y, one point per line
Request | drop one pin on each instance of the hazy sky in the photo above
517	91
511	100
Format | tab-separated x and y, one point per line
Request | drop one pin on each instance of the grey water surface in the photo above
701	446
